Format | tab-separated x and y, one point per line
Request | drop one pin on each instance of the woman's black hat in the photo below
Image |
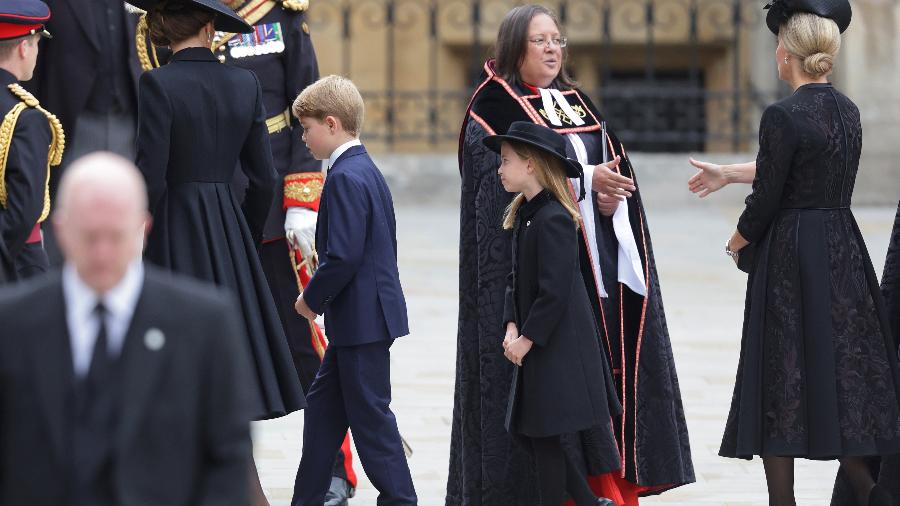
226	19
780	11
540	137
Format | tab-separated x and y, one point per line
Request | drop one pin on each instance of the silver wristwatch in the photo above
729	252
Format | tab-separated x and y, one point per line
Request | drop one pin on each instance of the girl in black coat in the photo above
563	383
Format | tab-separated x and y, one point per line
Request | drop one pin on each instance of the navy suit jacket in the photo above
357	284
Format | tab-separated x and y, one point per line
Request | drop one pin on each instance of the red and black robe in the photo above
485	467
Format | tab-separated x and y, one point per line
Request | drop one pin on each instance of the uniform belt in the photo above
278	123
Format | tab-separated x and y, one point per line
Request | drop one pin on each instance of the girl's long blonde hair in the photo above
550	174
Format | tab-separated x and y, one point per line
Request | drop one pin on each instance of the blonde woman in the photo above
563	383
818	377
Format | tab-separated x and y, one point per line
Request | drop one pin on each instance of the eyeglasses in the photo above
542	42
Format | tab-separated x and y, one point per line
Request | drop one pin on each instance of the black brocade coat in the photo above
565	384
818	374
194	123
886	471
486	468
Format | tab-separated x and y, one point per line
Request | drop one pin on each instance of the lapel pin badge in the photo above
154	339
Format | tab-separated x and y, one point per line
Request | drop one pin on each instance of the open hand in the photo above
607	180
708	179
517	350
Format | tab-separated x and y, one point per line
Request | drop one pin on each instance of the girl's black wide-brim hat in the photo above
226	19
780	11
540	137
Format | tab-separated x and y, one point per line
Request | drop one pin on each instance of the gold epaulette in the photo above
7	131
145	48
295	5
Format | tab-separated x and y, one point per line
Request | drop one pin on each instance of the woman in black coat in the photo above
197	119
563	383
818	375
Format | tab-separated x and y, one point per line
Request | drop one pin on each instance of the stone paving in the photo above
703	295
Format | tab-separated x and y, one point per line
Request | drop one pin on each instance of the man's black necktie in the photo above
94	423
98	374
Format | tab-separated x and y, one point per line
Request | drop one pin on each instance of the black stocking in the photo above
780	480
860	477
889	476
257	496
551	470
577	485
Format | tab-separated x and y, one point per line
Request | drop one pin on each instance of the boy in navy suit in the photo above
357	287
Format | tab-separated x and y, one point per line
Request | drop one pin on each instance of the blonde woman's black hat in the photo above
780	11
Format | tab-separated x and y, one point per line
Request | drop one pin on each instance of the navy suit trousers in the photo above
353	389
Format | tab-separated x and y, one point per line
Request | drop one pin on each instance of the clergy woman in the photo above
527	81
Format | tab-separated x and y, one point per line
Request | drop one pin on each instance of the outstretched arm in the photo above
711	177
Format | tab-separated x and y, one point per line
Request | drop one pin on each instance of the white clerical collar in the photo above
119	300
340	150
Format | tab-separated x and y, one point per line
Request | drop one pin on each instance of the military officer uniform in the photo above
26	132
280	52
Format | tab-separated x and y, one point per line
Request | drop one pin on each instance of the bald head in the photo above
100	217
104	178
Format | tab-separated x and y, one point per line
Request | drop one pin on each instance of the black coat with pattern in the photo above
886	471
818	374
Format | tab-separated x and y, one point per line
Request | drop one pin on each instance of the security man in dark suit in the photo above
281	54
26	132
120	385
87	75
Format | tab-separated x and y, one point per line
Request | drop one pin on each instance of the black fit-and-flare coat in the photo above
196	119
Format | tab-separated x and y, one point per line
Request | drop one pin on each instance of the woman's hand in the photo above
517	350
736	244
710	177
511	334
607	181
